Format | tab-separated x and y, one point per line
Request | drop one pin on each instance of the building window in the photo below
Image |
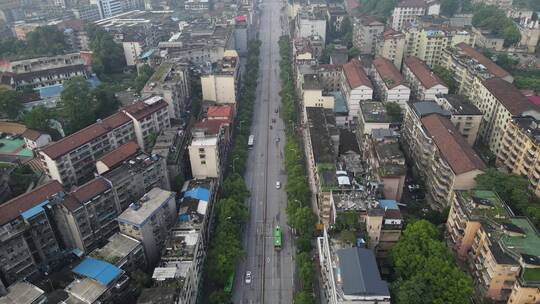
203	162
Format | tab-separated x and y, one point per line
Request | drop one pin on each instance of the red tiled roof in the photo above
388	72
141	109
423	73
210	127
390	32
534	99
120	154
14	207
510	97
355	74
392	214
454	149
220	111
491	66
77	139
94	187
31	134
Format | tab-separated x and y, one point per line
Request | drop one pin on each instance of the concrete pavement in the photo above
272	270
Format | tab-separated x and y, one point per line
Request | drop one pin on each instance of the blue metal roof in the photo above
340	106
199	193
98	270
34	210
389	204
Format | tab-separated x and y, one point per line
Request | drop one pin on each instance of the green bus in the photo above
277	238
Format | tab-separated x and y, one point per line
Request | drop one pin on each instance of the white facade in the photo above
132	50
309	25
204	157
406	14
149	220
315	98
219	88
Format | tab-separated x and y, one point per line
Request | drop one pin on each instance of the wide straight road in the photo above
272	270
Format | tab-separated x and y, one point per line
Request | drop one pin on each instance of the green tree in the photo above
76	105
46	40
303	297
10	103
303	244
449	7
447	77
219	297
38	118
303	220
104	101
393	110
305	270
107	56
140	280
346	221
144	74
20	179
511	35
353	53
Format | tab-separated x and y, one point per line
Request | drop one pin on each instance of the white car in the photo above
248	277
278	185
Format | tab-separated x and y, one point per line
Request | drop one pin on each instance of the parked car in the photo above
248	277
278	185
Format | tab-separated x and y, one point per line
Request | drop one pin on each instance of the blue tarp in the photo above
98	270
198	193
34	210
389	204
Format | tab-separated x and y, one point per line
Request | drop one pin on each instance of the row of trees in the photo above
514	190
494	19
299	213
425	269
226	246
43	41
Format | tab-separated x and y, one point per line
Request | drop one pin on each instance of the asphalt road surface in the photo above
272	270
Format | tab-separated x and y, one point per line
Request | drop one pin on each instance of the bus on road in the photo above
277	238
250	141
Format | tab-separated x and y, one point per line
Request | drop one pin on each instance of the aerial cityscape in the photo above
269	151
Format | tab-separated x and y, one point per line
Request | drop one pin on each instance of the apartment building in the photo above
23	292
366	30
132	173
350	274
172	81
149	117
427	42
310	24
171	145
329	76
111	8
42	71
389	82
122	251
407	11
182	261
71	160
149	220
221	83
470	67
312	93
519	152
499	101
88	12
86	216
464	115
372	116
27	234
208	148
391	45
355	86
200	41
424	84
441	156
387	165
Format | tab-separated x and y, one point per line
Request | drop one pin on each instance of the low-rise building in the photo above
441	156
355	86
311	24
23	293
499	101
122	251
220	84
350	274
372	116
391	45
520	149
366	30
425	85
313	95
486	39
464	115
388	167
132	173
208	148
389	82
29	241
171	145
149	220
470	67
172	81
42	71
